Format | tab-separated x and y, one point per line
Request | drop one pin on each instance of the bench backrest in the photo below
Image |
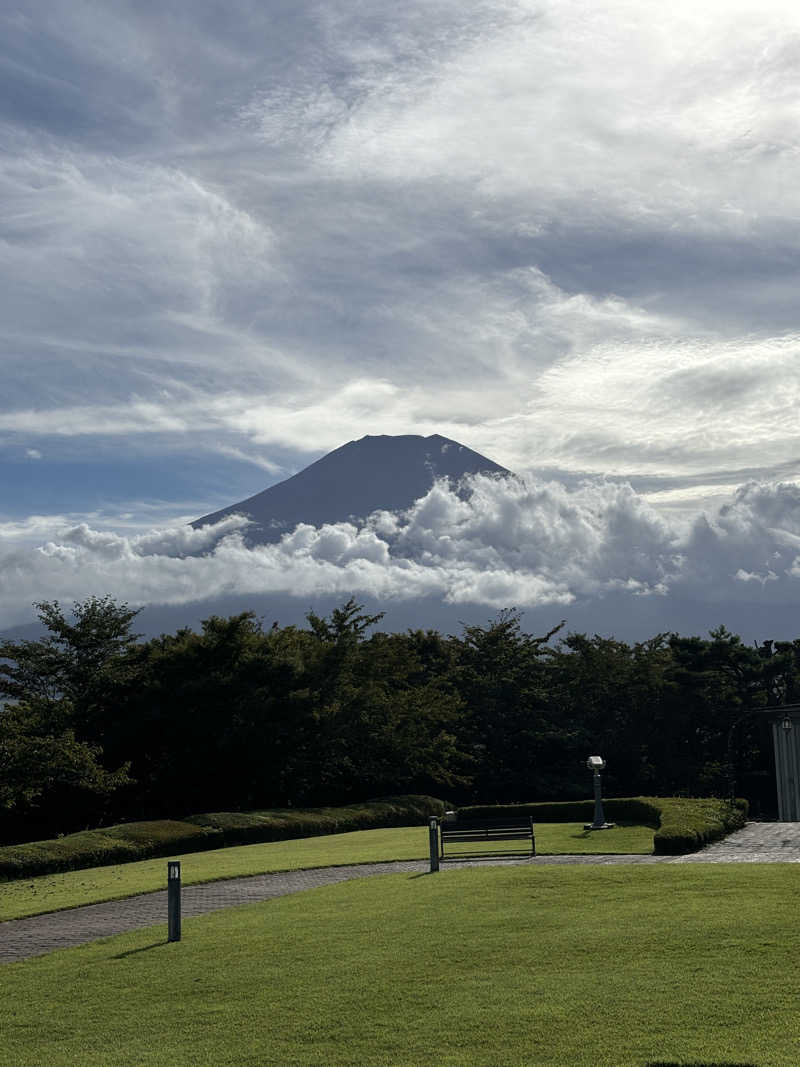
481	833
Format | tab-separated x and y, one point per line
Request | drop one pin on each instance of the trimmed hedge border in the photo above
688	825
681	824
129	842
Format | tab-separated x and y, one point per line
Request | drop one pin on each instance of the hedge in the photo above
682	824
277	825
688	825
128	842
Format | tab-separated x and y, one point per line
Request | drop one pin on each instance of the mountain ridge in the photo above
375	472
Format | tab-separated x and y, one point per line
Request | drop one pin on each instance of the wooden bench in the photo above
476	837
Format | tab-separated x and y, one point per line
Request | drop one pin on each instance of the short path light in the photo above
595	765
433	842
173	900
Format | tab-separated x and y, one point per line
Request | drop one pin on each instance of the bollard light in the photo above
173	900
433	843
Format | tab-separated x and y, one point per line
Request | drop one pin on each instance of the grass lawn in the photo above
493	966
51	892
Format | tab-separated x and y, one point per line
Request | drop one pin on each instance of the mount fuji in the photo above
379	473
435	535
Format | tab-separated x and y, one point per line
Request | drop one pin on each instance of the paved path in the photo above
23	938
758	842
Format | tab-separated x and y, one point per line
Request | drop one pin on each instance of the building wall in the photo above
787	765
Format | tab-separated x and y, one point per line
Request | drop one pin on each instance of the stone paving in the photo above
24	938
758	842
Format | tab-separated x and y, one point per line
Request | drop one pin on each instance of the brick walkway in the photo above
23	938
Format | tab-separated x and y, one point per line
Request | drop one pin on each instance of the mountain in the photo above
354	480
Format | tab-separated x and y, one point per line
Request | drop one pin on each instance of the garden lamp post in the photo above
596	764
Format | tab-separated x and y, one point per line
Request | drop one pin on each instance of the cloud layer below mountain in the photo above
512	542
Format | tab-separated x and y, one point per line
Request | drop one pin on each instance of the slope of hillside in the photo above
349	483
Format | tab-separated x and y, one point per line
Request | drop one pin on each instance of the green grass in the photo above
52	892
563	839
611	966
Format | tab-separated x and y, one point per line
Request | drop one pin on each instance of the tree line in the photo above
98	726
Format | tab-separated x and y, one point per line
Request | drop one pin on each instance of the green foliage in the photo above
514	739
99	728
682	824
347	624
253	826
77	661
60	687
608	691
94	848
687	825
35	765
135	841
643	810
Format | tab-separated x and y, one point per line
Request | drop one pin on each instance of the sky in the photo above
235	236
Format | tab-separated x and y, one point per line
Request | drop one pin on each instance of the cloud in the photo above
615	392
510	542
579	105
563	233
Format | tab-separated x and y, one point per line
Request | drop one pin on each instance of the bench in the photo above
474	837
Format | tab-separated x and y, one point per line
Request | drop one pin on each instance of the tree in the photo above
78	661
60	702
220	719
608	693
347	624
502	675
48	779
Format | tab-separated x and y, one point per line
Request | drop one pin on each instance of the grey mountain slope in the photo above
351	482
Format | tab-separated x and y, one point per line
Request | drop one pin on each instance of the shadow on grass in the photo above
135	951
698	1063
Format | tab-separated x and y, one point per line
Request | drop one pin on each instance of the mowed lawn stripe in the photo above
53	892
610	966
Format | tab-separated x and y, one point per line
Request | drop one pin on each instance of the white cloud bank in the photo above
511	543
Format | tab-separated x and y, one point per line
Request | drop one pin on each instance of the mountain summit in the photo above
353	481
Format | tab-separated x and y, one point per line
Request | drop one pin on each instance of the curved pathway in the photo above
24	938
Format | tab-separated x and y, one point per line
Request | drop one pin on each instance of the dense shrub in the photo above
113	844
682	824
624	809
282	823
687	824
144	840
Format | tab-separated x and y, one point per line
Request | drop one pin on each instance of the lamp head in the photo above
595	763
